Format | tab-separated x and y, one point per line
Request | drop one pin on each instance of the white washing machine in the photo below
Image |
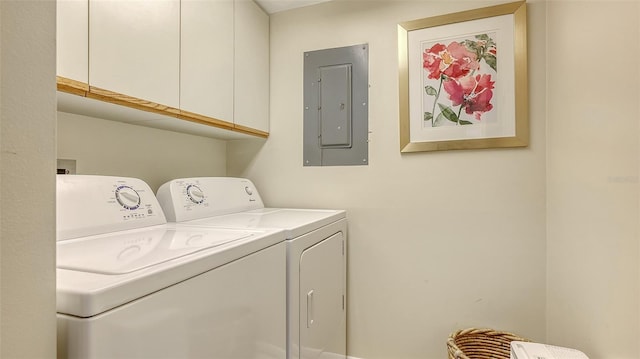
316	254
130	285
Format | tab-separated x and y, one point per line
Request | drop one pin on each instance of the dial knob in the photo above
127	197
195	194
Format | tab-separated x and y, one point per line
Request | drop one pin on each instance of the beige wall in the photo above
592	176
27	183
122	149
438	241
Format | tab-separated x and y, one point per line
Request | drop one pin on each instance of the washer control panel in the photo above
130	200
195	194
127	197
89	205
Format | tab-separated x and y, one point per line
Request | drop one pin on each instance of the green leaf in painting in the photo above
491	61
430	90
428	116
471	45
465	122
487	39
448	113
440	120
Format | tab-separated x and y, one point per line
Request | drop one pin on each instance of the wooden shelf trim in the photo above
82	89
132	102
250	131
72	86
210	121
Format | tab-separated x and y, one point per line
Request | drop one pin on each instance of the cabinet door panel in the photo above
72	44
206	63
135	48
251	66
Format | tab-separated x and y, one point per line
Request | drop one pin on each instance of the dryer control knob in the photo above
195	194
248	190
127	197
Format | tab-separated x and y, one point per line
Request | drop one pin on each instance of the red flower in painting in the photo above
453	61
474	93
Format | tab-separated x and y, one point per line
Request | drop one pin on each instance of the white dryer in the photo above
316	254
130	285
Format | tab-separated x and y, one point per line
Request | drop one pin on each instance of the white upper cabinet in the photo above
206	63
251	66
72	40
135	48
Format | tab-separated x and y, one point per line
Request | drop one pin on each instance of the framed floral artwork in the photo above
463	80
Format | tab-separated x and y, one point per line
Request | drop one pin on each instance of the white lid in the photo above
295	222
94	275
128	251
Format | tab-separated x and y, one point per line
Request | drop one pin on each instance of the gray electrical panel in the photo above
336	102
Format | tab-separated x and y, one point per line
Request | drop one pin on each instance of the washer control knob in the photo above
248	190
195	194
127	197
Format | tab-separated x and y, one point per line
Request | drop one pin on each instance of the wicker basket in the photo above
476	343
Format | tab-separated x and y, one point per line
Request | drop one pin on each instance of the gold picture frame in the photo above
475	109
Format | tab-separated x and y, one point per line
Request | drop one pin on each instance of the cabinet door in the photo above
72	44
135	48
251	105
206	62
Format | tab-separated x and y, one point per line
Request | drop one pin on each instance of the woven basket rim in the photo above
481	342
